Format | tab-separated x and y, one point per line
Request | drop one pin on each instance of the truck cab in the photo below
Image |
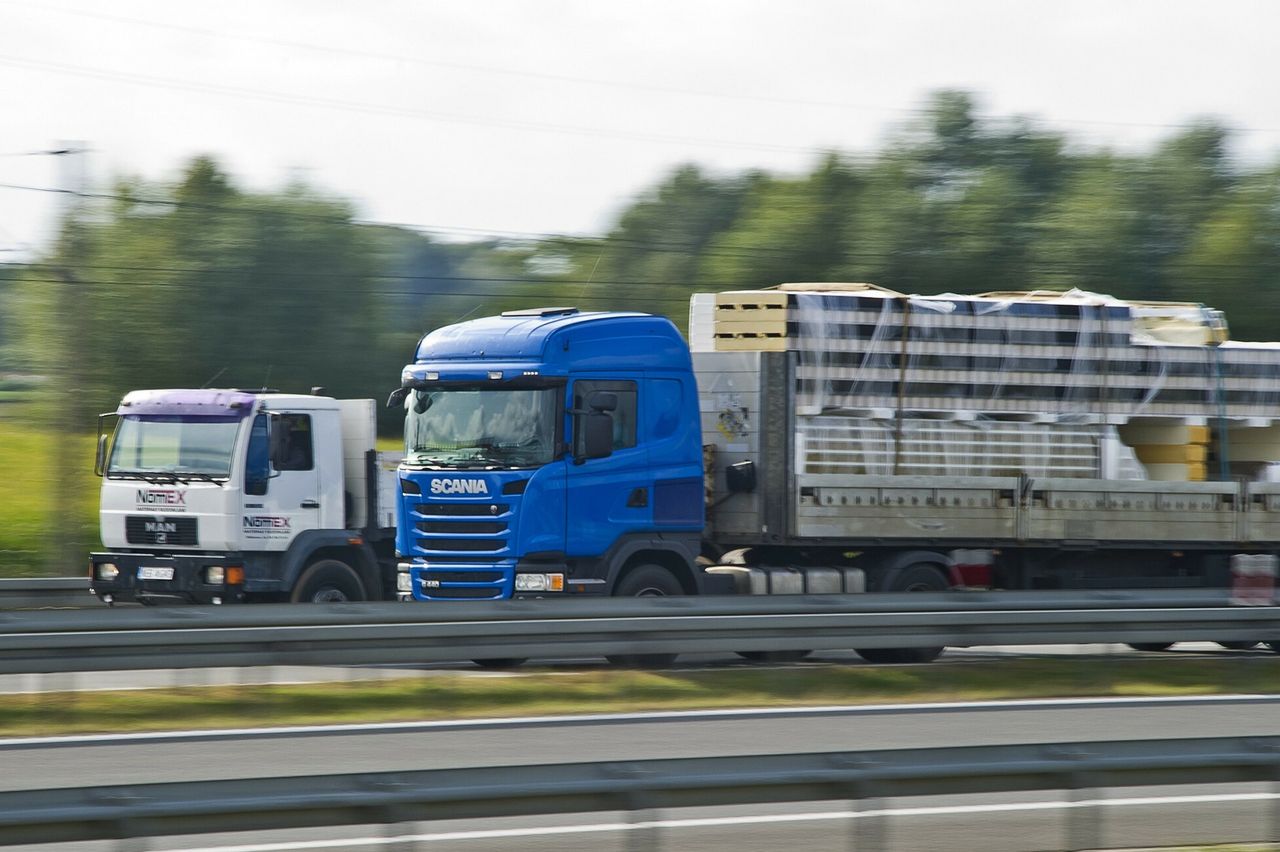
550	452
220	496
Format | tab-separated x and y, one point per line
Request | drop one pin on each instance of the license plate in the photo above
151	572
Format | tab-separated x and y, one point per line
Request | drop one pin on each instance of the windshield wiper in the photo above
155	477
202	476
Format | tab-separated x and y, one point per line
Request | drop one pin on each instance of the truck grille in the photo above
462	510
470	545
484	593
143	529
467	577
463	527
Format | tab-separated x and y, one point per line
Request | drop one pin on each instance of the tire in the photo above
328	581
501	662
890	656
1240	645
1150	646
920	577
646	581
774	656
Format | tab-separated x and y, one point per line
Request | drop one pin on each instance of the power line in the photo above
380	109
591	81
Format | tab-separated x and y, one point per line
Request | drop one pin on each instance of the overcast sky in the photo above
494	116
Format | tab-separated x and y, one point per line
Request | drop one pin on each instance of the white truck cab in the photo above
217	496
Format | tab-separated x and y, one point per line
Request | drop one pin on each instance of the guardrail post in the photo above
869	828
1084	820
644	834
122	829
1273	834
396	828
132	844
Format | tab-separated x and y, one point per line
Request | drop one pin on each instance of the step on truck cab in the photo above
223	496
550	452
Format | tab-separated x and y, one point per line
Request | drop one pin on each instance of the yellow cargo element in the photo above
1195	472
1137	434
1171	453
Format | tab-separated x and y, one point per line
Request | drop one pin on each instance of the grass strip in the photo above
465	696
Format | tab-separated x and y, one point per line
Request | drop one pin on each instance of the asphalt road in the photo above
989	822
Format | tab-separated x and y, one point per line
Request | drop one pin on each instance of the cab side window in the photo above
624	416
298	450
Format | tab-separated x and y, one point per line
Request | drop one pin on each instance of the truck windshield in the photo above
173	447
480	428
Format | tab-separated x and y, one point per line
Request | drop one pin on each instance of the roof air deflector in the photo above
541	312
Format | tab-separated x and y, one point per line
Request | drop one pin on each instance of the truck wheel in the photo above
646	581
501	662
328	581
914	578
1150	646
774	656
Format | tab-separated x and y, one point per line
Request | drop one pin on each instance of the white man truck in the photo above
228	496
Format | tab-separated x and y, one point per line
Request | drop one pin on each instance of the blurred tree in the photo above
1233	261
200	283
788	230
651	258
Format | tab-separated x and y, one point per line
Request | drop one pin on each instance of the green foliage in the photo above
26	492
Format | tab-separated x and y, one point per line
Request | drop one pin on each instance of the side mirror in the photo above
277	441
397	397
100	458
596	440
100	461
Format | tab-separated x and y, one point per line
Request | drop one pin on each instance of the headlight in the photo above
215	575
106	571
539	582
404	583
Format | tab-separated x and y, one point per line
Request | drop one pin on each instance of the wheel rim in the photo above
329	595
651	592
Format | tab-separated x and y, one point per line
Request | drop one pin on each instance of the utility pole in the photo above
66	416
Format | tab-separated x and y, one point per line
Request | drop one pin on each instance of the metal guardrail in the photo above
36	592
263	804
388	633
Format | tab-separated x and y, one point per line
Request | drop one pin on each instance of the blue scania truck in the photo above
551	452
827	439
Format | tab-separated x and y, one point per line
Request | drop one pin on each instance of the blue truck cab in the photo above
550	452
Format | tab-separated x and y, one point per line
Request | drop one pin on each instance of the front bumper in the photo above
487	581
169	578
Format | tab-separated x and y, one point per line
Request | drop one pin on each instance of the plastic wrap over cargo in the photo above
945	368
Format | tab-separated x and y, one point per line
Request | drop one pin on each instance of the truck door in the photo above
291	502
610	496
